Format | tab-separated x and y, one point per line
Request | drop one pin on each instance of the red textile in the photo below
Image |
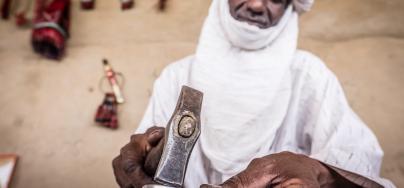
51	28
107	112
87	4
20	19
162	4
126	4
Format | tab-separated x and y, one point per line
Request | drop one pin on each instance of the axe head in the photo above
181	134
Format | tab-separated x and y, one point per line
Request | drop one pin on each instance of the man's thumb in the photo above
153	137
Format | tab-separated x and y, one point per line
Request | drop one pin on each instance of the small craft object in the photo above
113	81
87	4
162	4
107	112
51	28
127	4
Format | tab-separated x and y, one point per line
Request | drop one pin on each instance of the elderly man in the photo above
273	116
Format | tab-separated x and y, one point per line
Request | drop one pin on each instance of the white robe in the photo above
262	96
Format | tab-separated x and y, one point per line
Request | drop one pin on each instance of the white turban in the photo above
302	6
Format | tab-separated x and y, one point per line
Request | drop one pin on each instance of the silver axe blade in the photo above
181	134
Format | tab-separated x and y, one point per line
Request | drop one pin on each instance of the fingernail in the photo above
158	131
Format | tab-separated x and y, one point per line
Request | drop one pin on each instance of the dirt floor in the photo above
47	107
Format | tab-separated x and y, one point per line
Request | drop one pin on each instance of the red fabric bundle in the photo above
162	4
107	112
21	19
87	4
51	28
126	4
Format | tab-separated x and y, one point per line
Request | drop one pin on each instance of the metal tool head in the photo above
182	132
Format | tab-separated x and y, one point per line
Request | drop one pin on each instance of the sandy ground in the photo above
47	107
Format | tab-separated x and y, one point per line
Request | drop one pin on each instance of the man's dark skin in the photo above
281	170
261	13
129	165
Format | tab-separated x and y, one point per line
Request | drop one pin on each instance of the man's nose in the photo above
256	7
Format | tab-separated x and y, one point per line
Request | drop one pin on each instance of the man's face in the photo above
261	13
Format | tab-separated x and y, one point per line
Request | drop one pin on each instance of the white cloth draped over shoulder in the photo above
262	96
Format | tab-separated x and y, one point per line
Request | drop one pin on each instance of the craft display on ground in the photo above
107	112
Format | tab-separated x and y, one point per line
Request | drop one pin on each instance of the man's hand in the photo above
282	170
129	165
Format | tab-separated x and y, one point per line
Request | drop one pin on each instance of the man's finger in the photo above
132	156
154	136
296	183
153	129
153	158
236	181
132	166
257	174
139	178
120	176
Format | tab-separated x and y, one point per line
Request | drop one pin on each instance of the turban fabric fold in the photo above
302	6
